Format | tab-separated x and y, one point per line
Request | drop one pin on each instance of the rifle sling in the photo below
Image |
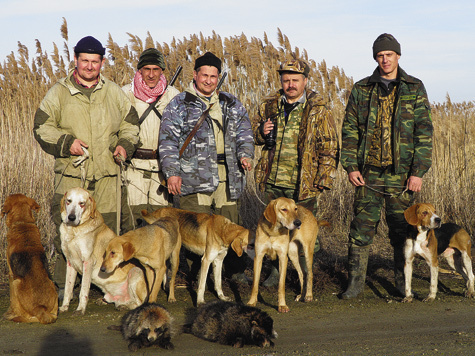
195	129
151	107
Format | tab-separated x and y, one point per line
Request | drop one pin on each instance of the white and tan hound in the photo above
430	239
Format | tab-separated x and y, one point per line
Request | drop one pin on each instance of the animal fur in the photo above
147	325
286	229
84	238
33	296
152	245
232	324
431	240
209	236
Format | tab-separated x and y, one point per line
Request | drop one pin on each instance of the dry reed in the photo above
252	65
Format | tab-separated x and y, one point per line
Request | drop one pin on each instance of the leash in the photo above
253	189
76	162
392	195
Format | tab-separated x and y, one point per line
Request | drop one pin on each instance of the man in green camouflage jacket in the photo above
387	148
300	153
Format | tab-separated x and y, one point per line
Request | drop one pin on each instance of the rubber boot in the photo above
399	279
357	264
273	278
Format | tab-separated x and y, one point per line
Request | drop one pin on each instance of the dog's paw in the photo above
429	298
469	294
251	304
283	309
79	312
64	308
224	298
298	298
407	299
172	300
308	299
100	301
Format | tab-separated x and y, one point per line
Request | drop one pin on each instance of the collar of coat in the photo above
402	76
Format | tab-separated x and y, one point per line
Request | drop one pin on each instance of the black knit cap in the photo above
89	44
208	59
151	56
386	42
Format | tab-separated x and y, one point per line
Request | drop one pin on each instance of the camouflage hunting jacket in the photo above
411	135
103	121
317	146
198	167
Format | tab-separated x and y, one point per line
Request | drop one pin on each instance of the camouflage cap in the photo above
294	66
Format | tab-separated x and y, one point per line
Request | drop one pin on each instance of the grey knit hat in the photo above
386	42
151	56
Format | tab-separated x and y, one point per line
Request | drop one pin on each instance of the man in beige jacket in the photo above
149	94
86	112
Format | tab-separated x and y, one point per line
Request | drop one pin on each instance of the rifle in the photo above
201	119
152	105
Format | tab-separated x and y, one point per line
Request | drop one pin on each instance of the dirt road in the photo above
376	324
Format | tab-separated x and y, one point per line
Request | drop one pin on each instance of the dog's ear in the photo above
93	207
270	214
237	247
33	205
128	250
411	215
63	199
7	206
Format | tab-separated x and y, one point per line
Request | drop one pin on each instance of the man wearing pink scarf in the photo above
149	94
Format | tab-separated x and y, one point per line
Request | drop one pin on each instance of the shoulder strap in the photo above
195	129
151	107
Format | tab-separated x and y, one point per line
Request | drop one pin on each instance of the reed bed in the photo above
252	65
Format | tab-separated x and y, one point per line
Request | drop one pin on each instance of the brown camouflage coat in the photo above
318	147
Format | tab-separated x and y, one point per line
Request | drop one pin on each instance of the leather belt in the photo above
145	153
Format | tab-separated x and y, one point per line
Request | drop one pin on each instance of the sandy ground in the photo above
375	324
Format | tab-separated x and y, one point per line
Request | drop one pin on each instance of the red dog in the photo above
33	296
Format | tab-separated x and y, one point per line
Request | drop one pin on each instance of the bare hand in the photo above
268	126
246	163
356	179
174	185
120	152
414	184
76	148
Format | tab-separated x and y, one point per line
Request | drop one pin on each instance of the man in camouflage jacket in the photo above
210	175
300	154
387	148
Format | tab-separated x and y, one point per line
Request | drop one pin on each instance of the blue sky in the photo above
437	37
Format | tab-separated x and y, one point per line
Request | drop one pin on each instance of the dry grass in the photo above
252	66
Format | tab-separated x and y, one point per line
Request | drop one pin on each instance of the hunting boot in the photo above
273	278
357	264
399	280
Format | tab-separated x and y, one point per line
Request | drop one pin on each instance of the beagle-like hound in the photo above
286	229
429	239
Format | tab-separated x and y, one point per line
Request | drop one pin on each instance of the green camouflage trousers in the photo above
383	188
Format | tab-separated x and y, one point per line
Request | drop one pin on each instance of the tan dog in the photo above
209	236
33	296
430	239
84	238
152	245
280	230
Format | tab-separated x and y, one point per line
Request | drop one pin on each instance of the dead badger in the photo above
147	325
233	324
